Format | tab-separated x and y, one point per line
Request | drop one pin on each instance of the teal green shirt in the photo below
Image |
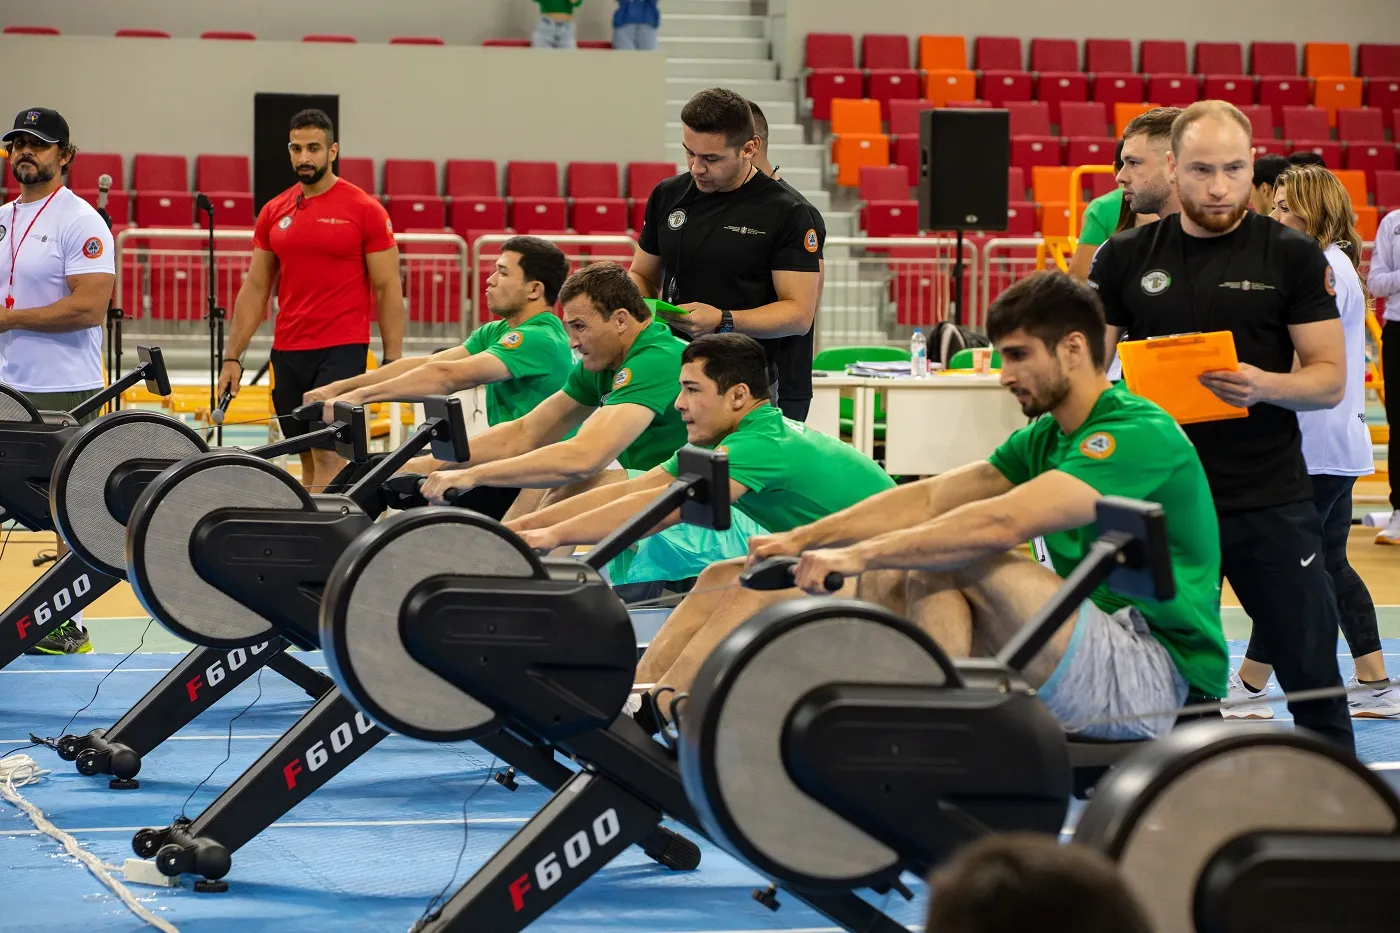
1101	218
537	354
1128	446
548	7
794	474
650	376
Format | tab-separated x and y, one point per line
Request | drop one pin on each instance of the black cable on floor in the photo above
98	689
228	752
438	898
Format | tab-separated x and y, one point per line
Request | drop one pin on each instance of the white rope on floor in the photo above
20	770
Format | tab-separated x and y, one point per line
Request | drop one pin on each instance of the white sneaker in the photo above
1370	703
1391	533
1248	710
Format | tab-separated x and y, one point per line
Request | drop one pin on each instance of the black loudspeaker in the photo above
964	161
272	113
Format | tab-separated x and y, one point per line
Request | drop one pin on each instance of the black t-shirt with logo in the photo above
1255	282
722	249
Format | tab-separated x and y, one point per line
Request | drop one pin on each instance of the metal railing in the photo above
579	249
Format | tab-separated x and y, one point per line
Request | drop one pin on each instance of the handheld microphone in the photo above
104	185
202	205
217	415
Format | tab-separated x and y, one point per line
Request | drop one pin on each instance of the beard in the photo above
37	174
1215	223
1046	398
1150	200
317	173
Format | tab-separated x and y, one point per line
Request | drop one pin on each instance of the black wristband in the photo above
229	359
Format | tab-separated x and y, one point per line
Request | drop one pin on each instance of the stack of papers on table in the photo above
885	370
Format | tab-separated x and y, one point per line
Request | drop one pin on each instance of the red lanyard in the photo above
15	247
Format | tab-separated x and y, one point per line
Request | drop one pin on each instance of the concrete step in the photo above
806	180
720	70
839	223
691	26
761	91
777	112
676	46
705	8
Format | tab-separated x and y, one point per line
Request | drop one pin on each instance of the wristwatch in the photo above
726	323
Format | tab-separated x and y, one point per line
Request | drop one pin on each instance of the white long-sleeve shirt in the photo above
1384	278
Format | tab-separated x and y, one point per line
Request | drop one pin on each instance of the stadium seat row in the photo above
241	36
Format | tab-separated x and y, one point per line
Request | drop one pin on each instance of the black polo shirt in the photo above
1254	282
723	248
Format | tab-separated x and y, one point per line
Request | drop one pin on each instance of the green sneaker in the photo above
66	639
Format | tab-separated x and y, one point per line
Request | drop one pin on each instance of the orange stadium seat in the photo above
411	178
883	51
997	53
1219	58
852	115
471	178
852	150
1237	89
1326	59
1163	56
1051	183
1108	55
1125	113
1367	222
1355	183
593	180
944	86
1273	58
1052	217
1333	93
942	53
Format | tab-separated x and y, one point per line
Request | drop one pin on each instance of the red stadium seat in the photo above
1237	89
1331	152
1378	61
591	216
884	183
1388	190
1002	87
412	178
1262	118
231	209
31	31
596	44
886	85
532	180
178	282
593	180
471	178
893	218
1360	124
1057	87
89	166
1020	218
118	204
1174	90
1100	184
830	50
416	40
1371	158
884	51
1084	118
1113	55
1117	87
997	53
142	34
505	43
1268	145
357	170
644	176
222	173
1219	58
416	210
1031	151
1029	118
159	173
1016	183
1081	151
1164	57
328	37
538	214
1383	94
970	105
1305	123
432	288
1326	59
1280	92
1273	58
904	116
828	84
905	152
234	35
156	208
1054	55
469	212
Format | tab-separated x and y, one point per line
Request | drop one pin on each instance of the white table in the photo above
827	391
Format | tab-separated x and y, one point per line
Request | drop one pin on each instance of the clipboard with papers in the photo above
1166	370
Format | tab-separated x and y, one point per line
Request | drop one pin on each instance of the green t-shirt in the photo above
558	6
537	354
1101	218
794	475
650	376
1130	447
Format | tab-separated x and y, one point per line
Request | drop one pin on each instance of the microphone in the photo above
217	415
104	185
202	205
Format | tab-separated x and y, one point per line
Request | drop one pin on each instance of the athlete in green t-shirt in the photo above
618	396
1119	657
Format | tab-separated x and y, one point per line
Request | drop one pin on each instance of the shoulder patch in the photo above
92	249
389	226
1329	281
811	241
1098	446
722	449
623	377
512	340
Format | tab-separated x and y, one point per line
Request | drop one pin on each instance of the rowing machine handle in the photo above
779	573
311	412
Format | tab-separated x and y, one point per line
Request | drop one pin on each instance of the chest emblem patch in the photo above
676	219
285	222
1156	282
623	377
1098	446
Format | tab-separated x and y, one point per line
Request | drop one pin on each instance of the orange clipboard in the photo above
1165	370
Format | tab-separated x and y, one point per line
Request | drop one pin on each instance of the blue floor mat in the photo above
367	851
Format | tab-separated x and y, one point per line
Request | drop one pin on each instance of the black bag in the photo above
946	339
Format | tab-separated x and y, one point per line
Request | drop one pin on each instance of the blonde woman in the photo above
1336	444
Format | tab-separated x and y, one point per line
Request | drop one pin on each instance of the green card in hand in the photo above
657	305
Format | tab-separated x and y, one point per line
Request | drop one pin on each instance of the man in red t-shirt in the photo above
334	248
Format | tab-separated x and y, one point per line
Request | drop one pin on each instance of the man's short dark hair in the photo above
541	261
1154	124
609	287
720	111
1268	168
1305	157
1020	881
760	122
731	359
314	119
1118	156
1050	306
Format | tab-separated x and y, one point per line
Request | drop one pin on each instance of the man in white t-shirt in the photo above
56	277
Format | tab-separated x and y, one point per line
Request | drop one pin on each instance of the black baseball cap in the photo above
41	123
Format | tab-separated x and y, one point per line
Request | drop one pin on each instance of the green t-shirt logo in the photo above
623	377
1098	445
512	340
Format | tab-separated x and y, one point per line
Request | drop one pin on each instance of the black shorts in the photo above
296	372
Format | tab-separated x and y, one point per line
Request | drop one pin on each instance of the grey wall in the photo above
460	22
1298	21
192	96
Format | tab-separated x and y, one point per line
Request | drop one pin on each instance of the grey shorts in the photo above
1113	667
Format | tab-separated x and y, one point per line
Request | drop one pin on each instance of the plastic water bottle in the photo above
918	354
